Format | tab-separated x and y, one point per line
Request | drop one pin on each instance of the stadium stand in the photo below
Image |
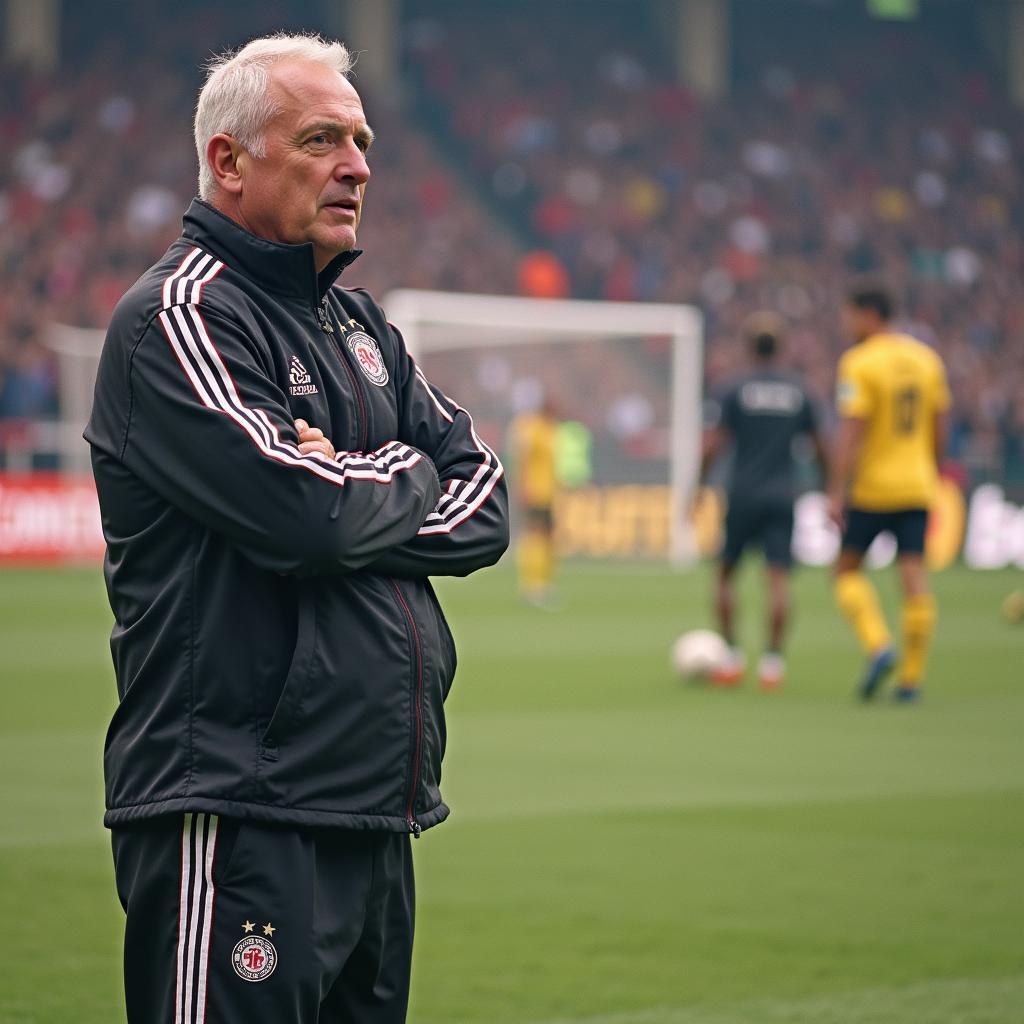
98	167
817	168
568	161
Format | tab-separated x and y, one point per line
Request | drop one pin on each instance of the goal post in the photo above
435	322
78	359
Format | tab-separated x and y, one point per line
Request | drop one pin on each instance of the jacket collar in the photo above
285	269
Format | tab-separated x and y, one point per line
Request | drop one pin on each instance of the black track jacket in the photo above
279	651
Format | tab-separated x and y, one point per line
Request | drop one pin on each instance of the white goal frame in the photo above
413	309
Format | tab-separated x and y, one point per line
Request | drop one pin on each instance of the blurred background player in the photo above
893	401
762	412
534	447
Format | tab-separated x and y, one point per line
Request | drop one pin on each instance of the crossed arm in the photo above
398	562
468	527
311	439
210	431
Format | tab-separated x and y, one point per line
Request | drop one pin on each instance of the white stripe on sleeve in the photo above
463	497
210	378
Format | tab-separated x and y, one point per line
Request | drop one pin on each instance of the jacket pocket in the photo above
445	634
289	704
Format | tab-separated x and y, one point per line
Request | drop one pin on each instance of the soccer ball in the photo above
696	654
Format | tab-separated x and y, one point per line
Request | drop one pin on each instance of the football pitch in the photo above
624	848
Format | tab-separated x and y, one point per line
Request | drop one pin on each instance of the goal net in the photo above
624	378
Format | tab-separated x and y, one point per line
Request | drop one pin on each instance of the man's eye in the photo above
323	139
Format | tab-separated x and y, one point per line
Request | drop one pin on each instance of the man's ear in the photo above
227	159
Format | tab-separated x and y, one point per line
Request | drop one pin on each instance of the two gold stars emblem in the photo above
268	928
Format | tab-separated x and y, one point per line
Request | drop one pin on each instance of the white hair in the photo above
235	98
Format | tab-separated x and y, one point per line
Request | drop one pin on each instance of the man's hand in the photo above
311	439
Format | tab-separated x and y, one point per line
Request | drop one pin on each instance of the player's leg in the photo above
373	986
919	608
528	558
778	606
724	606
858	599
777	540
737	535
546	565
536	555
730	672
771	669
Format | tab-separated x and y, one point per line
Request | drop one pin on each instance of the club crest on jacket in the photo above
368	356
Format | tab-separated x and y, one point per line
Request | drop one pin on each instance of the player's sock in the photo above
730	672
858	601
532	562
546	561
771	671
919	615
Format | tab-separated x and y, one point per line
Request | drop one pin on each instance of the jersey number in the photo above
907	404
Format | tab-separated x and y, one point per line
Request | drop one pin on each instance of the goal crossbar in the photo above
568	316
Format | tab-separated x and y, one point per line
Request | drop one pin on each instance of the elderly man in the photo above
281	659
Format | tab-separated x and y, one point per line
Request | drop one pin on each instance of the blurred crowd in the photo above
97	166
553	156
892	156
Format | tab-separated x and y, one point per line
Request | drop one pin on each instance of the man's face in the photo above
309	186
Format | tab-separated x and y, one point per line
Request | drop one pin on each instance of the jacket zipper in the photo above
327	327
410	816
415	828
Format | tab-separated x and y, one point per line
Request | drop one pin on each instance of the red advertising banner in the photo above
46	517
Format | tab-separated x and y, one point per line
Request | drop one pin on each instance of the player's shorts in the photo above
540	517
908	526
764	524
232	922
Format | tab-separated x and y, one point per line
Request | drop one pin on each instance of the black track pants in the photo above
230	922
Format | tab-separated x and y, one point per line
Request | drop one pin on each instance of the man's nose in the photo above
353	165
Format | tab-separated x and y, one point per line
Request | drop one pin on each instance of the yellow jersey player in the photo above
892	402
534	443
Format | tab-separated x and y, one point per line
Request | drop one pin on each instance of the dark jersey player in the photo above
761	414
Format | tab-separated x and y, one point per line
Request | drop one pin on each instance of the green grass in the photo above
624	848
